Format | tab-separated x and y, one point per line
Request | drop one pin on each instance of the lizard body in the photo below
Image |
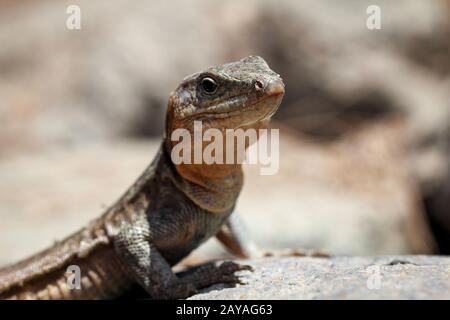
170	210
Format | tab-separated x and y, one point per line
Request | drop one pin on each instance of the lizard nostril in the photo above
259	85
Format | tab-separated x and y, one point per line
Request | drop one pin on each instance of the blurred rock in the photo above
438	205
400	277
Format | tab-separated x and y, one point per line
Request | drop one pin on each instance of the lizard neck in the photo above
214	187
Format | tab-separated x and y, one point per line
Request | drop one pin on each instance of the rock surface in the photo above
384	277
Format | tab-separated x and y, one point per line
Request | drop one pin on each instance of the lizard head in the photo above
240	94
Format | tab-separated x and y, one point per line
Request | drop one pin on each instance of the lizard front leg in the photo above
148	267
235	236
152	272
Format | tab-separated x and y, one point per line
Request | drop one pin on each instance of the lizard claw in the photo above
215	273
231	267
226	272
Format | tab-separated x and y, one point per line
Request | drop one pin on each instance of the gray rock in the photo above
383	277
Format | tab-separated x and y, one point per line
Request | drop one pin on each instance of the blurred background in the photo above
364	125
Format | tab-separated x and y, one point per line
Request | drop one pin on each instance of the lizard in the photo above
171	208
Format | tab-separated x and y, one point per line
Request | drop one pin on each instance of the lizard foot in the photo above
214	273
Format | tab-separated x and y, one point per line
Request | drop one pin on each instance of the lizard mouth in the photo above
269	103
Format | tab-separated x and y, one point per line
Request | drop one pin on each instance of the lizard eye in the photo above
209	85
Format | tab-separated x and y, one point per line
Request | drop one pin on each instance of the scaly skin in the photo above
170	210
